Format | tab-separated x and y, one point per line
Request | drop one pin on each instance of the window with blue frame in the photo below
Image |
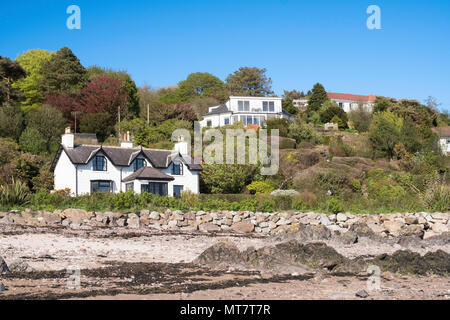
100	163
177	169
101	186
158	188
227	121
139	163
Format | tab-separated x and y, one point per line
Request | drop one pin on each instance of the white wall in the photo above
65	174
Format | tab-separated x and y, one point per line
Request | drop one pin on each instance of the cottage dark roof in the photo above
123	157
148	173
220	109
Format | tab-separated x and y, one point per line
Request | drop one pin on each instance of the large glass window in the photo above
101	186
177	169
100	163
159	188
139	163
243	105
268	106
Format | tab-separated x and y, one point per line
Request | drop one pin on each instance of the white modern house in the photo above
444	139
248	110
85	169
346	101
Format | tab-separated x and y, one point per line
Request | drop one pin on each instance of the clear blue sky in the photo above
299	42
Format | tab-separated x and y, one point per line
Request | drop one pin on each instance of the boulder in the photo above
20	266
3	266
2	287
243	227
325	221
133	221
412	220
7	220
51	218
209	227
362	294
77	215
439	227
412	230
393	226
340	217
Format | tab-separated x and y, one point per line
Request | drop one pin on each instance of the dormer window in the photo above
139	163
177	169
100	163
268	106
243	105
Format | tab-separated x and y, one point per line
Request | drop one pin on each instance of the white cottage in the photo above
85	169
444	139
248	110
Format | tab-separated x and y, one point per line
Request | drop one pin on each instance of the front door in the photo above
177	191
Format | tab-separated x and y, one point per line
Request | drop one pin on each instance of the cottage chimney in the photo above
126	143
68	139
181	146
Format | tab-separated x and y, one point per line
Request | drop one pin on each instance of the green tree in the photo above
317	98
62	73
201	85
10	71
98	123
249	82
32	62
288	105
49	122
384	133
31	141
361	118
11	122
329	110
293	95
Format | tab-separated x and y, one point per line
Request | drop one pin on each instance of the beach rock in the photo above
77	215
243	227
393	226
340	217
362	294
209	227
7	220
3	266
439	228
20	266
2	287
133	221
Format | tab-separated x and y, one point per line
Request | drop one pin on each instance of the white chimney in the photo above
68	139
182	147
126	143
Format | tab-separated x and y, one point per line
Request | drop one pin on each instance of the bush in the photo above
15	193
437	198
257	187
32	142
301	131
334	206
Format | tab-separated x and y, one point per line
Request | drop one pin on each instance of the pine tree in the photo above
317	98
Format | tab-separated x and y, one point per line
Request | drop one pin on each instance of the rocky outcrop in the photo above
3	266
300	225
286	256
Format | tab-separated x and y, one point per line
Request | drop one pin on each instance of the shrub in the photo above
15	193
257	187
356	185
301	131
437	197
334	206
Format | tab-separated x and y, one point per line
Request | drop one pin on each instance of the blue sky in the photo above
299	42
